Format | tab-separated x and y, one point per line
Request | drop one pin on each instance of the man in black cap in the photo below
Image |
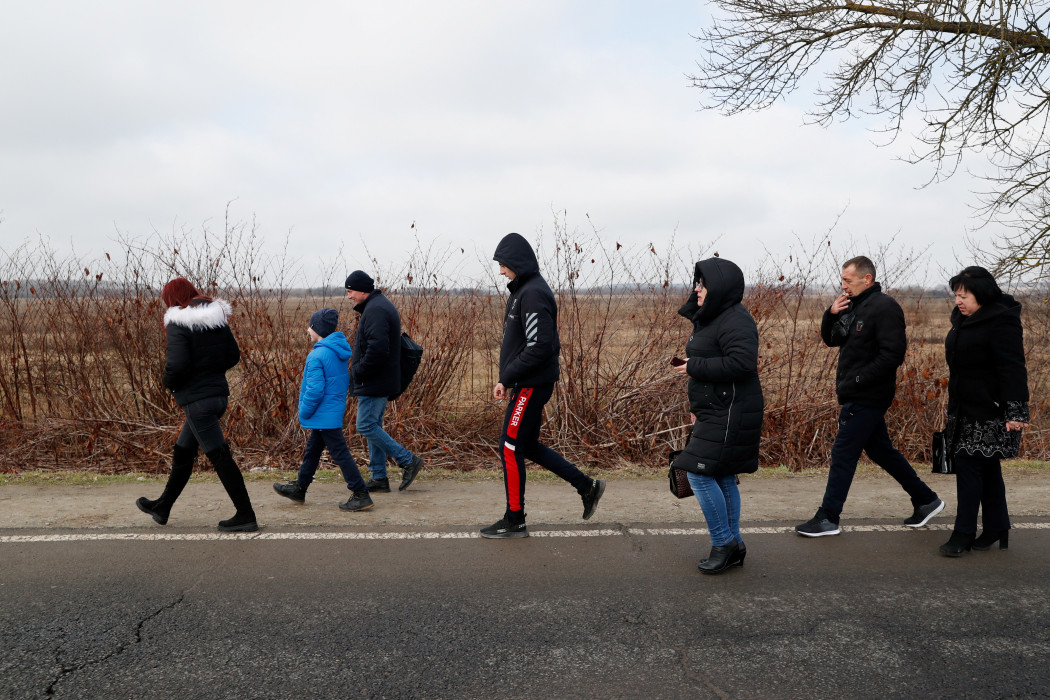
375	375
528	369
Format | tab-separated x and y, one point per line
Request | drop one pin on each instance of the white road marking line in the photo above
630	531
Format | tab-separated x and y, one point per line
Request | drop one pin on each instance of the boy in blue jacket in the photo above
322	403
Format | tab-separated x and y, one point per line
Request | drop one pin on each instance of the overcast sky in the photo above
348	121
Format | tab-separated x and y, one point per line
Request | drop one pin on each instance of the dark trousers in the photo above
520	441
979	482
201	427
863	429
335	441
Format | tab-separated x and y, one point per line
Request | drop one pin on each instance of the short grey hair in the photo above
862	264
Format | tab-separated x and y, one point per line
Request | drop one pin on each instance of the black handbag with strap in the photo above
941	461
677	478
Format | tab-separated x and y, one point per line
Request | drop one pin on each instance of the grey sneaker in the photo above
591	498
359	500
503	529
409	472
292	491
922	514
818	526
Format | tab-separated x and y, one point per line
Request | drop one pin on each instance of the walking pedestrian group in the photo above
987	399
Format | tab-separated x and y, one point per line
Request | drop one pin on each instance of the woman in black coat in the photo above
200	349
987	405
725	400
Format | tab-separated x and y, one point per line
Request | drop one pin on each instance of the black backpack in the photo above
411	356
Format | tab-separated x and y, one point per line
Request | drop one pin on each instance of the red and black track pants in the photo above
520	441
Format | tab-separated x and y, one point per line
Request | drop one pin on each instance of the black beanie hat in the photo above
323	322
358	281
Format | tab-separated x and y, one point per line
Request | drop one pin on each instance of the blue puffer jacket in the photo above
326	380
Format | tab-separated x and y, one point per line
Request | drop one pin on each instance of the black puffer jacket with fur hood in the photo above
725	394
200	349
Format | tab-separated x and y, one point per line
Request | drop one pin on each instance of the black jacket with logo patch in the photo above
530	350
872	342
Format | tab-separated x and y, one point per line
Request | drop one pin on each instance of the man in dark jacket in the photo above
868	327
375	375
528	369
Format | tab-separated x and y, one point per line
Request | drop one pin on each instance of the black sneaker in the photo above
378	485
292	491
502	529
409	472
591	498
360	500
922	514
818	526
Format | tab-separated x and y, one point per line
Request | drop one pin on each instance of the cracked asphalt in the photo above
868	614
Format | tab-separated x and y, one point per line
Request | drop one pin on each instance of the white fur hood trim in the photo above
199	318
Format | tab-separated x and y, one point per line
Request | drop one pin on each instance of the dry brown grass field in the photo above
83	353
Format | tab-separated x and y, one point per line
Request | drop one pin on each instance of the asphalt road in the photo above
621	615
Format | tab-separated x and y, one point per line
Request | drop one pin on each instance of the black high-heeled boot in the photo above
957	544
989	537
181	469
738	559
720	558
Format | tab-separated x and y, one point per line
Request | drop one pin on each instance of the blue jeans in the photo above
380	445
864	429
335	441
719	498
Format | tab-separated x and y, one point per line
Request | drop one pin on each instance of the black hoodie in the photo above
725	394
529	354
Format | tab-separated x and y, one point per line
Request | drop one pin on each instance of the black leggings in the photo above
201	427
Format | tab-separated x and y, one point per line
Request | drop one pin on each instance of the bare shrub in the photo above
82	351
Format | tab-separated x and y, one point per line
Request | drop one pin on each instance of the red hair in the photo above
179	292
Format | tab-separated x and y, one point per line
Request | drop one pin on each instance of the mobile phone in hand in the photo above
677	361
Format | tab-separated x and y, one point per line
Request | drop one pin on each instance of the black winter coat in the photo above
985	354
725	394
375	368
530	350
200	349
872	340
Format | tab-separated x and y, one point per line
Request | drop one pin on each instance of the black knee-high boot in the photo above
181	469
230	476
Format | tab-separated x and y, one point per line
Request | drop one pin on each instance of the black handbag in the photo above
942	459
677	478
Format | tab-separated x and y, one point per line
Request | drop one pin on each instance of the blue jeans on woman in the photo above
719	498
380	445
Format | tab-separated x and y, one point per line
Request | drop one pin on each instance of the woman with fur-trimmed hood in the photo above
200	350
726	404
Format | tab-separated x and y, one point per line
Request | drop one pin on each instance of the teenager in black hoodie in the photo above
528	368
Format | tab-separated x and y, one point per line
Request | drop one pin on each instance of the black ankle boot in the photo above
957	544
232	480
990	537
720	558
181	469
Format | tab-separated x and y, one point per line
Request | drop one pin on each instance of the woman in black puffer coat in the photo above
725	400
987	405
200	349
